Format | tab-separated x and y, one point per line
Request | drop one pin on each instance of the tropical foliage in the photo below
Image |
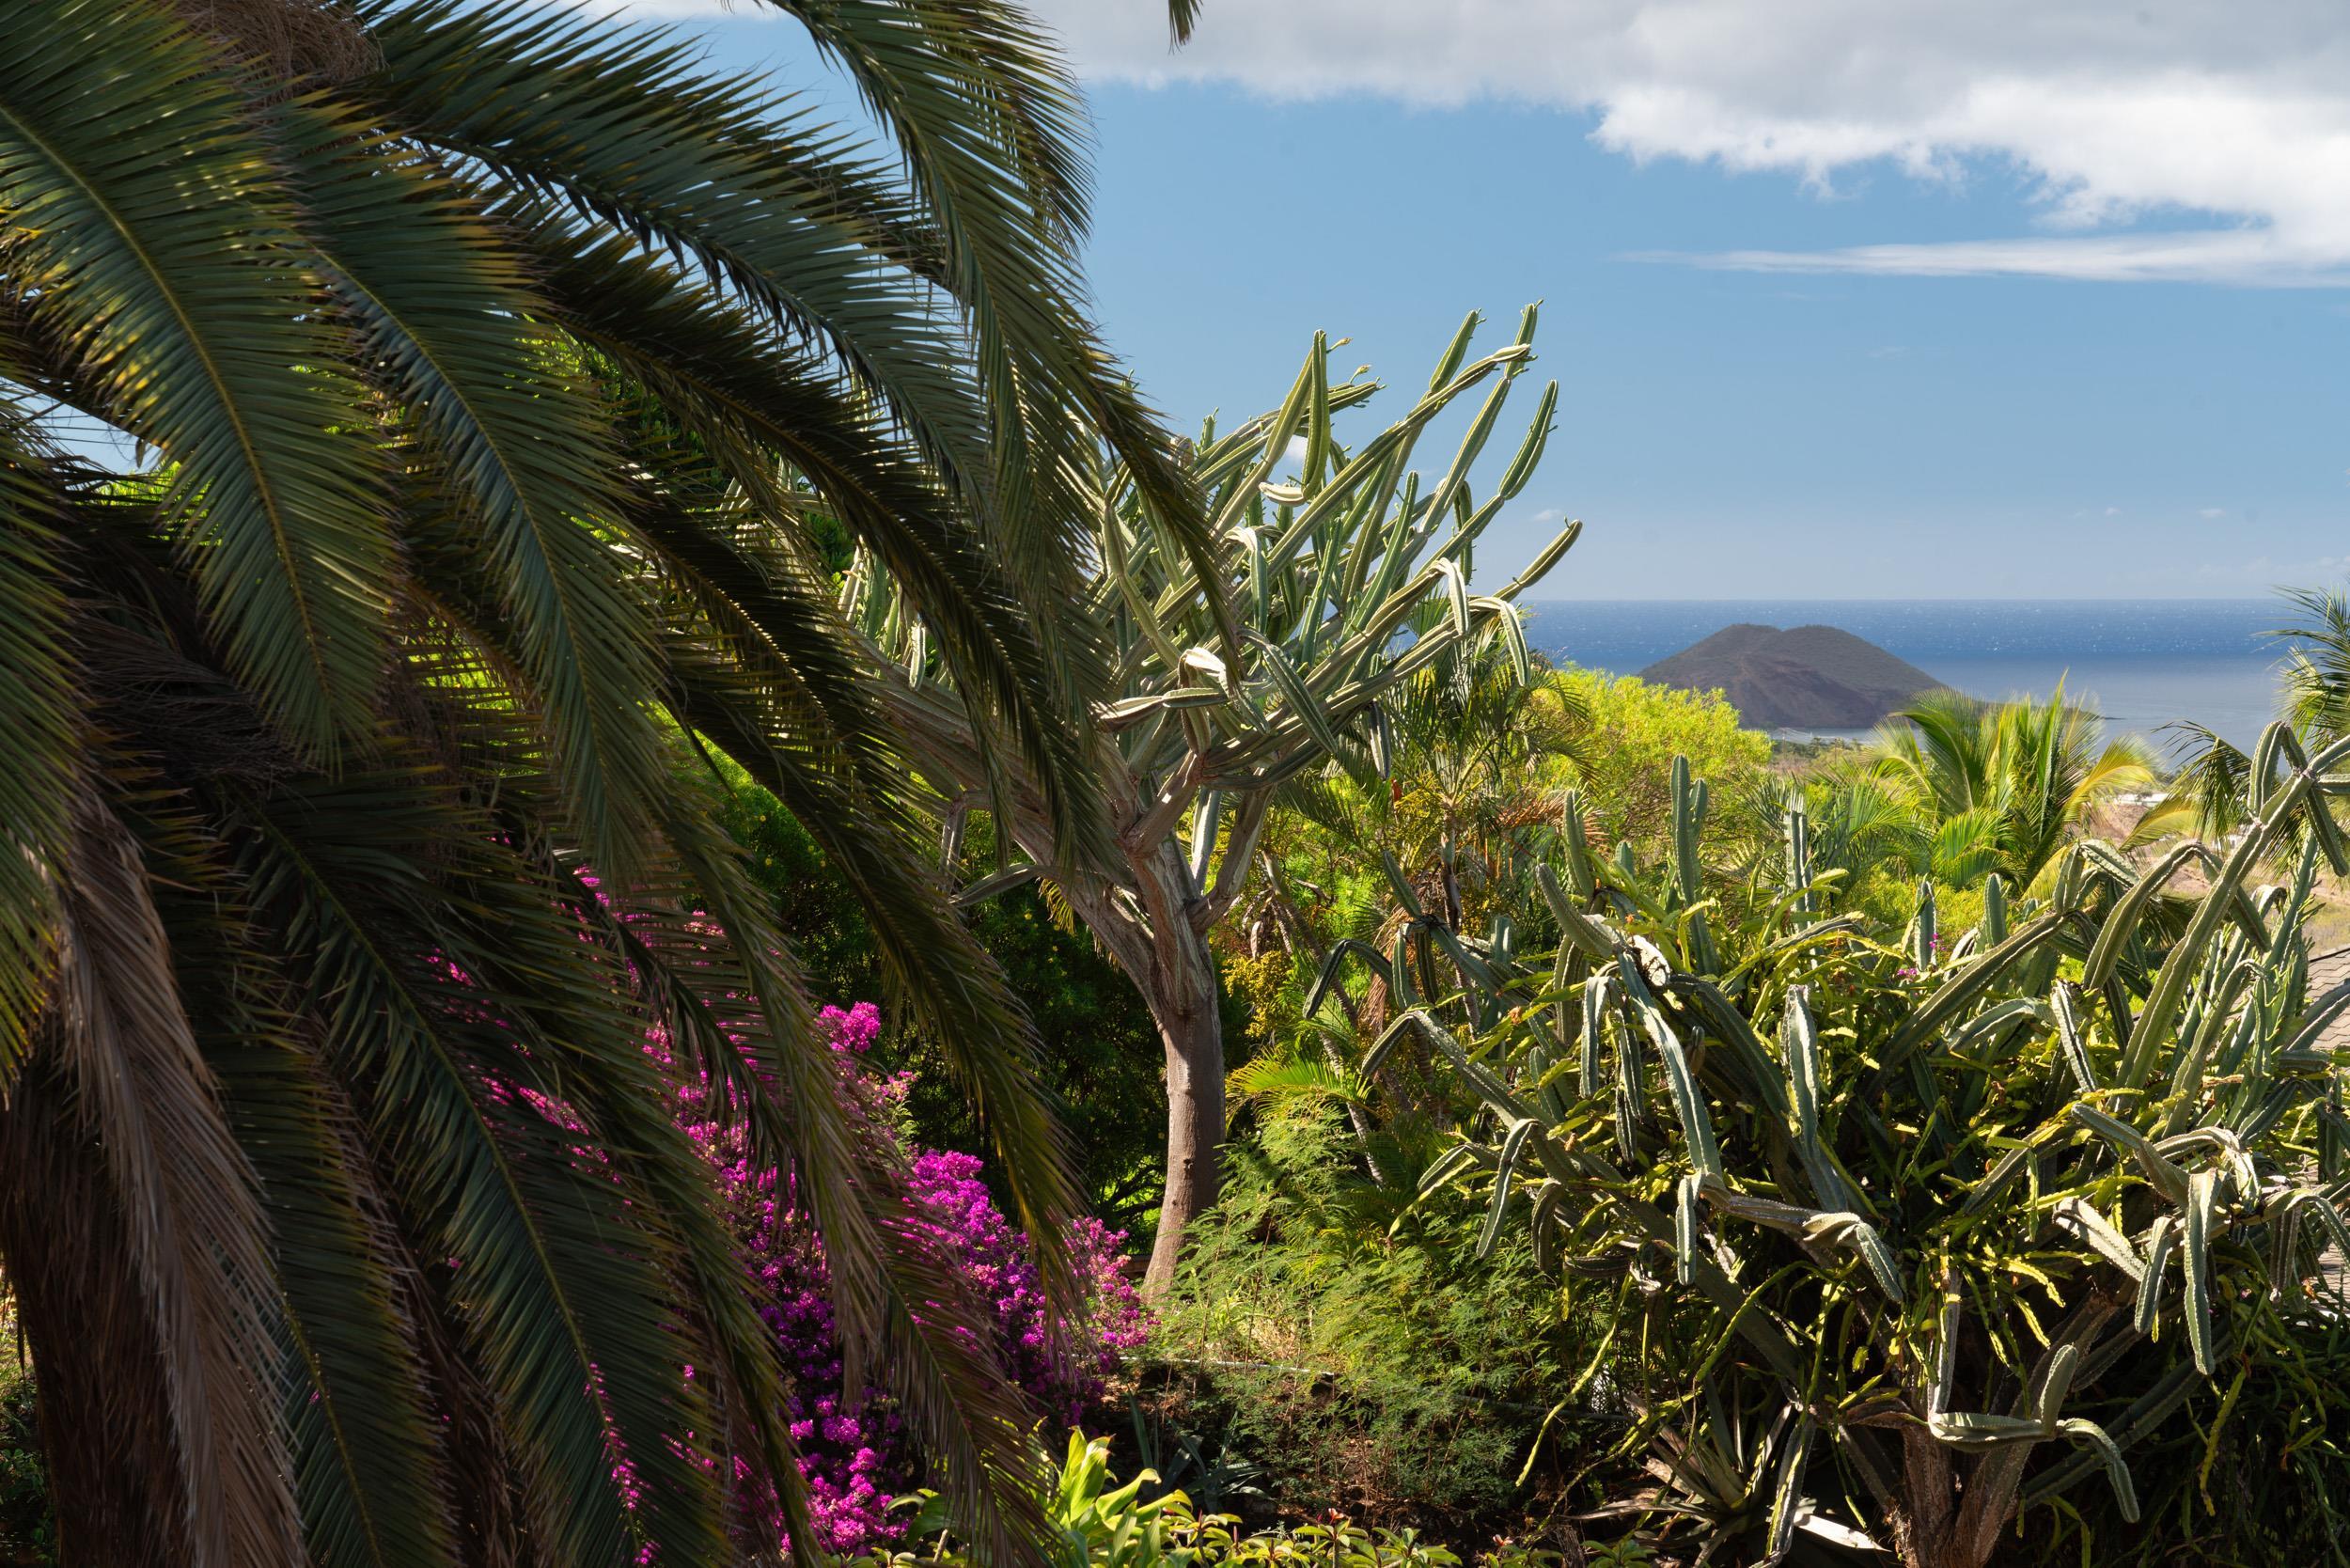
1104	1525
2217	784
1957	789
1097	1049
1337	1338
1467	802
1957	1227
413	420
527	561
1625	734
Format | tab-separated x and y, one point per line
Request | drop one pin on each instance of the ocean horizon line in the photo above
1916	599
2145	663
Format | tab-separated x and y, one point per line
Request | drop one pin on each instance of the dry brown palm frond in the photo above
192	1222
295	41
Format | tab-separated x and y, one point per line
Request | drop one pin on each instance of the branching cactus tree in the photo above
1914	1237
1346	570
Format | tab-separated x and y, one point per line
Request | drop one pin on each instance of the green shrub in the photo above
1627	736
1100	1524
1338	1331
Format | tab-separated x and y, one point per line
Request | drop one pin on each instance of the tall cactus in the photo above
1688	881
1344	576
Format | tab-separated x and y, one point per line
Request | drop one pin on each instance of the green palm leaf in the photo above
151	248
750	402
437	300
366	1460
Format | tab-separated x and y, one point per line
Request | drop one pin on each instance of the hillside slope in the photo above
1805	677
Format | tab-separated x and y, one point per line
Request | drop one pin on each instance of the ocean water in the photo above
2144	663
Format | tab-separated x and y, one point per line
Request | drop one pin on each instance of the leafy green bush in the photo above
1338	1330
1626	737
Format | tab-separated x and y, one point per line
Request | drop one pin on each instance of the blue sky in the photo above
1981	310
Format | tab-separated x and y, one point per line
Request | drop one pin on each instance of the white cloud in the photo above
2211	514
2226	125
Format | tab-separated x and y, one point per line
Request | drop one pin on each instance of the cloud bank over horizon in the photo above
2178	140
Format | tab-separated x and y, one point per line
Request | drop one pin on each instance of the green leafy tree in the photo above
1625	734
1346	579
486	366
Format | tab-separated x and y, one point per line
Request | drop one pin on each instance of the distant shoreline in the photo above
2145	663
2231	600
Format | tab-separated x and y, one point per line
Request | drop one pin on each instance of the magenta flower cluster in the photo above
854	1451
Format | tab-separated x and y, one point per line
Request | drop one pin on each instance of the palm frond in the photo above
426	995
929	958
1279	1079
448	326
153	254
752	403
613	124
2209	793
1004	187
2317	676
194	1225
367	1462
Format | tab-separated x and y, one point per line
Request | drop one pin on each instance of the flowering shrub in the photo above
852	1450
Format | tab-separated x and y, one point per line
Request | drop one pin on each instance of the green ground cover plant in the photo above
1346	1340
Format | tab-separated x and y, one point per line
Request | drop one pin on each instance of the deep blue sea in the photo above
2143	663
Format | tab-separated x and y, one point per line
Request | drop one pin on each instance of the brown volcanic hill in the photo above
1806	678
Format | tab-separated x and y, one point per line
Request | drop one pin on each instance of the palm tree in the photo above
2002	786
479	379
2215	786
